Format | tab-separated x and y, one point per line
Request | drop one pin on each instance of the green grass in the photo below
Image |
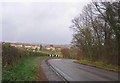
24	70
100	65
45	51
49	52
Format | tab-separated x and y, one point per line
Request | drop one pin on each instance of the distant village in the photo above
36	47
39	47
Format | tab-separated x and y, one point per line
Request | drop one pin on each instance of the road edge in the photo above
64	79
97	67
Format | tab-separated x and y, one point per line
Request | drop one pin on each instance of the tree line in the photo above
97	32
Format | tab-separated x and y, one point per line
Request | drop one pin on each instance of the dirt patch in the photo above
40	74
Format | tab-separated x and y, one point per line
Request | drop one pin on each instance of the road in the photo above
77	72
50	74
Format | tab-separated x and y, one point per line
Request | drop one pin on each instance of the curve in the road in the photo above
78	72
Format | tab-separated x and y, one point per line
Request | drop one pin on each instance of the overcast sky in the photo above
39	22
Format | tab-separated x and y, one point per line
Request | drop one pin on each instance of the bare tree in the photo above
96	29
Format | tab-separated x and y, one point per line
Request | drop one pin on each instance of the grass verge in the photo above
101	65
25	70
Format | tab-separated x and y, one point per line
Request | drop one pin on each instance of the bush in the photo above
11	55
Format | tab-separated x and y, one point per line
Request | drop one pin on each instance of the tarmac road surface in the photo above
77	72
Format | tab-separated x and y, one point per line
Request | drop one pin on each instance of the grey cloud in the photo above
39	22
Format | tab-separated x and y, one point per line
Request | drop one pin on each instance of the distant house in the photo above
47	48
33	47
13	45
17	46
51	48
26	46
58	48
